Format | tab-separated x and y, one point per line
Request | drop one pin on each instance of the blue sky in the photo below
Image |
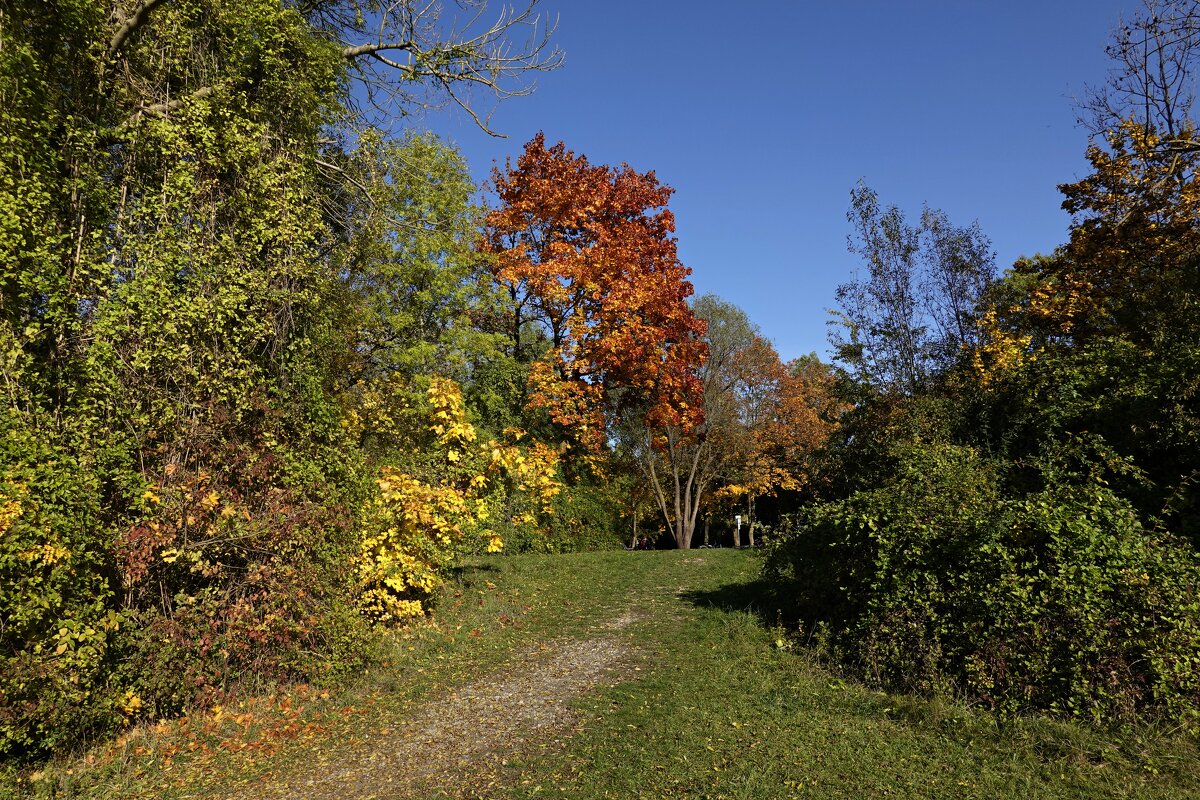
764	115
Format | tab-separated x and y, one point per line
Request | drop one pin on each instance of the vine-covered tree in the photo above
183	272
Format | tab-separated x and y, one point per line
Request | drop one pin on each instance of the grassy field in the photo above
696	698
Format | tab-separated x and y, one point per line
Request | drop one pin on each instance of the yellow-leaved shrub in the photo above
417	528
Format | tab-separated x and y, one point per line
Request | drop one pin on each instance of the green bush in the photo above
1059	600
56	615
586	517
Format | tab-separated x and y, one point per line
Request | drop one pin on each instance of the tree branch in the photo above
371	49
131	24
443	59
162	109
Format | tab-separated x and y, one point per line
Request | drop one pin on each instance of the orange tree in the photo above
752	440
598	294
785	413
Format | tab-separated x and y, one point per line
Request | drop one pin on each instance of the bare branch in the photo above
445	61
483	124
376	48
1153	77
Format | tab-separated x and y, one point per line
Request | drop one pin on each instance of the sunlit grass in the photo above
709	706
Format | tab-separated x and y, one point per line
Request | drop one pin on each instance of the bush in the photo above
56	617
125	597
1060	600
586	517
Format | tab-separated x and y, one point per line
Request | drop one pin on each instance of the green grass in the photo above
711	708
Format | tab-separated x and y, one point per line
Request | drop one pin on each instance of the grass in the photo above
711	707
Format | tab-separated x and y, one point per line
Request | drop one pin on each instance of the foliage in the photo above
163	329
705	667
206	268
476	488
1004	529
57	608
1056	600
1100	336
587	256
912	313
586	517
761	423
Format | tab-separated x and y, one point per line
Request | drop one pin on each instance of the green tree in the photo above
912	313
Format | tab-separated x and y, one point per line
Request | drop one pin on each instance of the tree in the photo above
416	294
1143	114
754	469
912	314
786	414
587	257
178	303
740	385
1152	81
1099	337
408	56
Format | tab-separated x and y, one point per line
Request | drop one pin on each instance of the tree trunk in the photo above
707	520
750	517
633	541
685	528
686	493
516	323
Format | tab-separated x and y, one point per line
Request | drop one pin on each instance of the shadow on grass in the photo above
755	597
471	573
1031	740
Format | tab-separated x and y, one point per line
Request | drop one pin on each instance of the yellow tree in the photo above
419	526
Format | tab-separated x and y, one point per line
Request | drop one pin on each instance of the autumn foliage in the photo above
1023	529
588	257
419	525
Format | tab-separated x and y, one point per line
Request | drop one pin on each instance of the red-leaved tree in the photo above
588	256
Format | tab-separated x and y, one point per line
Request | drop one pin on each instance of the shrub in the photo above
1059	600
56	616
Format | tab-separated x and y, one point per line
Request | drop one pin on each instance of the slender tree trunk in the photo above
707	520
750	517
633	541
516	323
688	485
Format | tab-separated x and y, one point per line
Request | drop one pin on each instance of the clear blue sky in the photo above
763	116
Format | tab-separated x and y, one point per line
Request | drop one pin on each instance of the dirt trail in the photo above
454	743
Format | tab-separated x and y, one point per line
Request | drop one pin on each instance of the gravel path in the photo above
454	744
